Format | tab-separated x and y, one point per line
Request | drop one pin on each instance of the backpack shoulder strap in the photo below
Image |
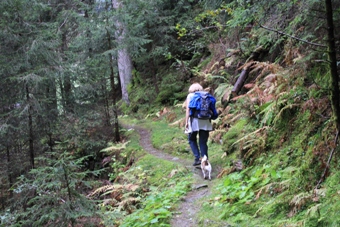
213	107
194	101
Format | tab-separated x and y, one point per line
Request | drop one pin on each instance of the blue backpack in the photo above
202	106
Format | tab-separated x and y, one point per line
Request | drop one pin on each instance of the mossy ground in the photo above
276	186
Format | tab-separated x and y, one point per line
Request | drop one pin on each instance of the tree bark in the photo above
67	83
240	81
113	91
244	74
115	114
333	63
9	171
69	193
30	128
123	56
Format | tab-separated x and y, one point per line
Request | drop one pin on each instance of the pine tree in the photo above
52	194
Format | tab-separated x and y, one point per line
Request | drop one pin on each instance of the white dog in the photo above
206	167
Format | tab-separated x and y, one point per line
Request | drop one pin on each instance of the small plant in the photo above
51	194
158	205
116	154
233	134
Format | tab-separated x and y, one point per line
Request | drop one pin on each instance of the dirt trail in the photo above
186	215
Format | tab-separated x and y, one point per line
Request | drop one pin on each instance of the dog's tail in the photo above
205	158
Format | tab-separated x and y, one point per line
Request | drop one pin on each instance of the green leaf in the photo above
155	220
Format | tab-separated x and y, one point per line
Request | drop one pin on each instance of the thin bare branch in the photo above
328	162
293	37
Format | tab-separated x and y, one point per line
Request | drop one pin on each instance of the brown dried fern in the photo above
101	190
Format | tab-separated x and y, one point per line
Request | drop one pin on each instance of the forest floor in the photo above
186	213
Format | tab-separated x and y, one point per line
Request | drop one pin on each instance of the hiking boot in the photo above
196	163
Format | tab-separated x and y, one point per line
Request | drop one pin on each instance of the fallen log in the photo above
245	72
240	81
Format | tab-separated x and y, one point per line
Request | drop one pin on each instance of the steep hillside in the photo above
277	123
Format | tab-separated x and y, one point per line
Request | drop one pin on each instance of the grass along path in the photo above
186	214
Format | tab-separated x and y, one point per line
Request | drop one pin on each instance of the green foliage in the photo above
86	136
169	139
329	203
148	191
117	155
56	65
157	207
170	89
167	95
233	134
52	194
181	31
241	188
141	100
267	110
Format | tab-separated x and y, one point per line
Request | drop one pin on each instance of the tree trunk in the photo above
123	57
154	75
113	91
244	74
125	73
115	114
240	81
67	84
106	95
9	171
30	128
69	193
333	63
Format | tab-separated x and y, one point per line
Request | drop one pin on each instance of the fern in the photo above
246	137
267	110
222	89
290	106
115	148
52	193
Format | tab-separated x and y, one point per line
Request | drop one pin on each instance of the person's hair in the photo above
195	87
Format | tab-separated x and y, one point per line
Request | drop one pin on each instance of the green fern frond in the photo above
152	115
268	112
237	117
219	77
300	199
290	106
213	66
249	135
129	201
108	189
115	148
314	211
222	89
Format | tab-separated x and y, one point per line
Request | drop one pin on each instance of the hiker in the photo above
194	126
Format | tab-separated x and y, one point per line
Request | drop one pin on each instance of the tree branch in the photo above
323	176
293	37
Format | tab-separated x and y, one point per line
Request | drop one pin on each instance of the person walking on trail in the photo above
195	125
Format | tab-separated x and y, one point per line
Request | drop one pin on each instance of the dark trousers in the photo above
202	141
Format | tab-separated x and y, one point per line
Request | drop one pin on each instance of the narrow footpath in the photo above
186	215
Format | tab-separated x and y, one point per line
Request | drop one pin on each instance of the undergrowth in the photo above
157	208
282	163
146	193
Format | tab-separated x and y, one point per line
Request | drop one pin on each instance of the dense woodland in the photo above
73	70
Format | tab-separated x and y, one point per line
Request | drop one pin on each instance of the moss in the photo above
232	135
157	169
